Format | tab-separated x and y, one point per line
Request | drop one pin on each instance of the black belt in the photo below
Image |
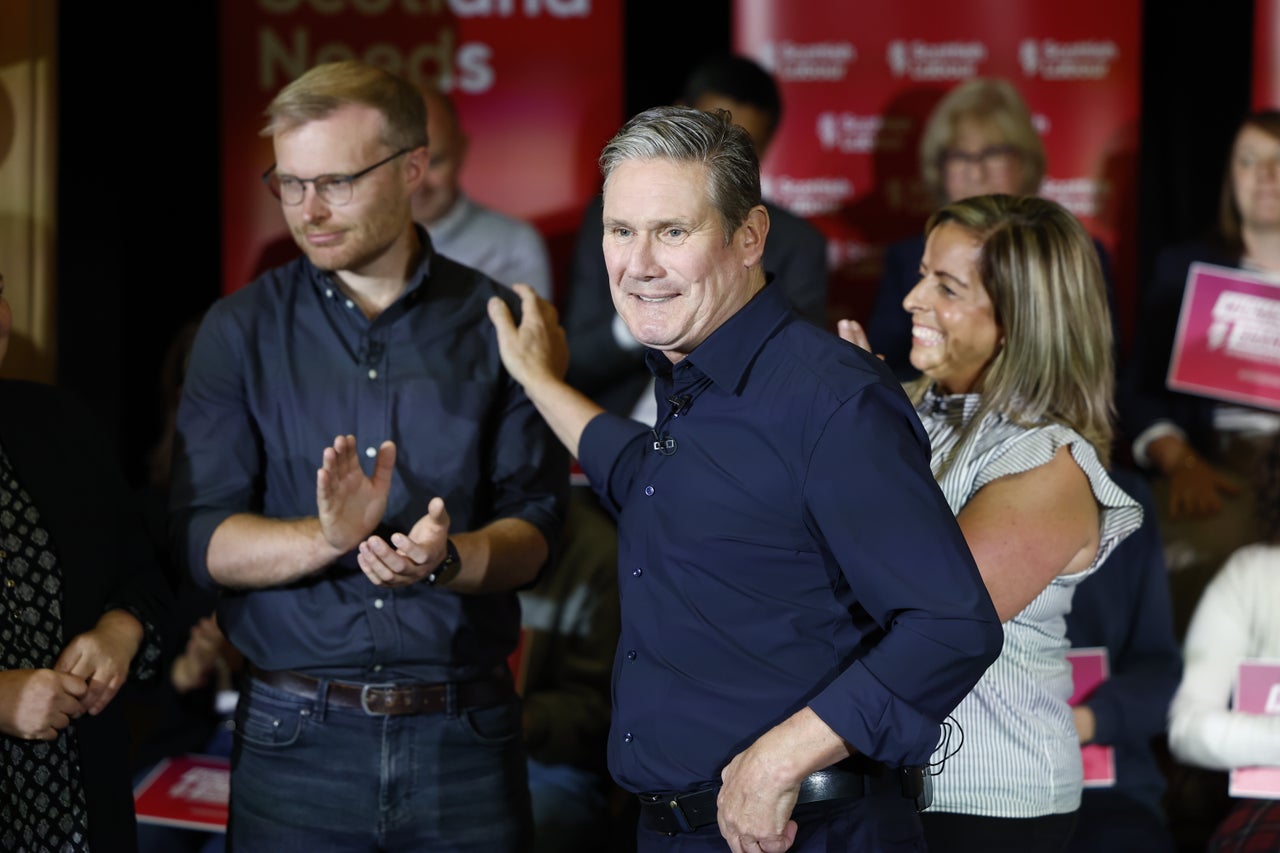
390	699
672	813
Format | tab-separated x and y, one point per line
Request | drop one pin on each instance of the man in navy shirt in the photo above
373	598
800	610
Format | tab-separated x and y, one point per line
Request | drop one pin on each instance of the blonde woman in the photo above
1016	399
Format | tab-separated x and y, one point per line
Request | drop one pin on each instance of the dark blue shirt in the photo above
1125	609
793	549
281	367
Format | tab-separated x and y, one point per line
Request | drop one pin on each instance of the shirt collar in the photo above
728	352
418	279
955	409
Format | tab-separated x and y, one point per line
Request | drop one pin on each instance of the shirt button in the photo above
373	374
329	292
648	490
371	452
627	738
377	667
631	655
377	602
637	572
350	304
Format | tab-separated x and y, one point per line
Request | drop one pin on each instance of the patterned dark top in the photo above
42	804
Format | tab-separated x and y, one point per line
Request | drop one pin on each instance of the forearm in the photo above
1220	739
251	551
498	557
565	410
803	743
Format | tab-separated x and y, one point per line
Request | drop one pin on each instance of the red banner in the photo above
537	83
859	80
1266	54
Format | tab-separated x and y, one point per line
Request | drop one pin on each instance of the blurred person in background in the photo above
1234	621
500	246
1203	453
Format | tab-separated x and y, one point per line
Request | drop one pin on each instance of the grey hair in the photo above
686	135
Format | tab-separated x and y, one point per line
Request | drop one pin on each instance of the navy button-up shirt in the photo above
784	545
281	367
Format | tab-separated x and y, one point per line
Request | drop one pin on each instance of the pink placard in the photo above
1257	692
1089	668
190	791
1228	340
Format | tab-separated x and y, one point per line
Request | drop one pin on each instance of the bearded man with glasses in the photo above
374	597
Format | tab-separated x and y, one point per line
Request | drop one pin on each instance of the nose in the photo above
642	260
313	207
916	298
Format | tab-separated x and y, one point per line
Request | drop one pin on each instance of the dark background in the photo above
138	165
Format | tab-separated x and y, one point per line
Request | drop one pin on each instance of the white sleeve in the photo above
1203	730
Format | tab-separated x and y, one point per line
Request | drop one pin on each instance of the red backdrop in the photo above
1266	54
538	85
859	79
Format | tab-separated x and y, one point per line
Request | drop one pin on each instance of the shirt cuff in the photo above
888	730
1159	429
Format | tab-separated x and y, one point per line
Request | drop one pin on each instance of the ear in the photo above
751	234
415	166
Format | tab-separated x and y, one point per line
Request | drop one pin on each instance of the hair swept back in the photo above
686	135
327	88
1041	271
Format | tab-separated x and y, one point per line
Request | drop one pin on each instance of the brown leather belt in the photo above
390	699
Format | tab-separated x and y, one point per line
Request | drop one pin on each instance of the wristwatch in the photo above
448	568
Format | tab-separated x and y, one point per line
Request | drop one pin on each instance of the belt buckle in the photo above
668	804
365	691
682	820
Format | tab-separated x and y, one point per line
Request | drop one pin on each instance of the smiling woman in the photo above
1016	399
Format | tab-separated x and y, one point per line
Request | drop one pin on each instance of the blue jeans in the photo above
307	777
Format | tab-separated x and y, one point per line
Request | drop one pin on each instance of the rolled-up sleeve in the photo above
873	502
217	454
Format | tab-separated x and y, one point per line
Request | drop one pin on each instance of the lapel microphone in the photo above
665	444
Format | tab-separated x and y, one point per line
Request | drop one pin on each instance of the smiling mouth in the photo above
653	299
925	335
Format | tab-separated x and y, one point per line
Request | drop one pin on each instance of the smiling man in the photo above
800	610
373	598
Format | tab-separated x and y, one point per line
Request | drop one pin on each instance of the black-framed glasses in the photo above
332	189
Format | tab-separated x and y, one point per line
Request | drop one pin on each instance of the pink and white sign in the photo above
1257	692
1228	340
859	80
1090	667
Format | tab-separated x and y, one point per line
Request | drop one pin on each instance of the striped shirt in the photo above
1020	756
